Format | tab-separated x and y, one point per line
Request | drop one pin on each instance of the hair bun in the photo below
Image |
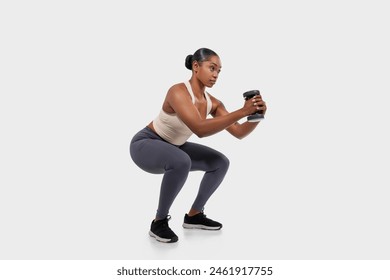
188	62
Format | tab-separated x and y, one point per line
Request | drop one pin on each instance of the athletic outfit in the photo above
168	152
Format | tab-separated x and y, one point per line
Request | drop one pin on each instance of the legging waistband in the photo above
146	133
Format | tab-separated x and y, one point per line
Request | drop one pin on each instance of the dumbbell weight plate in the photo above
256	117
250	93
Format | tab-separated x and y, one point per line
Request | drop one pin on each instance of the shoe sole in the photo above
194	226
163	240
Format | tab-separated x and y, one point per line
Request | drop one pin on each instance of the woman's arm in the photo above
238	130
182	105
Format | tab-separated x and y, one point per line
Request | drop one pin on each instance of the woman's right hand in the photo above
254	105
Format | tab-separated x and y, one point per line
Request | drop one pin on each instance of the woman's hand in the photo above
254	105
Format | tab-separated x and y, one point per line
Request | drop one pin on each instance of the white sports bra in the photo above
171	128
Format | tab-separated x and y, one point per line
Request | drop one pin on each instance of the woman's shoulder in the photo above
178	88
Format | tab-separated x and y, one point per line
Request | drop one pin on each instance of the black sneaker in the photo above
200	221
161	231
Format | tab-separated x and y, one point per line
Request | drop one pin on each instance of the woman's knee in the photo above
224	162
221	162
182	163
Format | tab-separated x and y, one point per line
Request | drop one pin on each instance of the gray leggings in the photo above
153	154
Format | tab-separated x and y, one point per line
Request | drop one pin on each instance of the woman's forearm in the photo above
242	130
211	126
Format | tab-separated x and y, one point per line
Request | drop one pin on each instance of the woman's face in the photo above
207	72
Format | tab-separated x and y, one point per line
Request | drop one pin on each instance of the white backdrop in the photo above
80	78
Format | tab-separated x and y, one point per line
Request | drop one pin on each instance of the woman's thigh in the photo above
157	156
203	157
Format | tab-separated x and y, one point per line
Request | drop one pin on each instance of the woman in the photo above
162	146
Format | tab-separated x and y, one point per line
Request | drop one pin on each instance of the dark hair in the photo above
200	55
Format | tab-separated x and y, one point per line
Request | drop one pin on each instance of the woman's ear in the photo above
195	66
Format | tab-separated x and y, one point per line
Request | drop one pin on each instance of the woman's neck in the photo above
197	87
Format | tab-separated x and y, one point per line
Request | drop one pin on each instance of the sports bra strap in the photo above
189	88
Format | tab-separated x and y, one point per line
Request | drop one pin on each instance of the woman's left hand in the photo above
259	103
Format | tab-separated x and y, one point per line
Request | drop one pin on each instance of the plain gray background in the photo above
80	78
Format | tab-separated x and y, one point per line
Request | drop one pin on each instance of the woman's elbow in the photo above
200	135
199	132
239	136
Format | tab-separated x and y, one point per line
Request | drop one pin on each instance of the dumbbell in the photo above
259	115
